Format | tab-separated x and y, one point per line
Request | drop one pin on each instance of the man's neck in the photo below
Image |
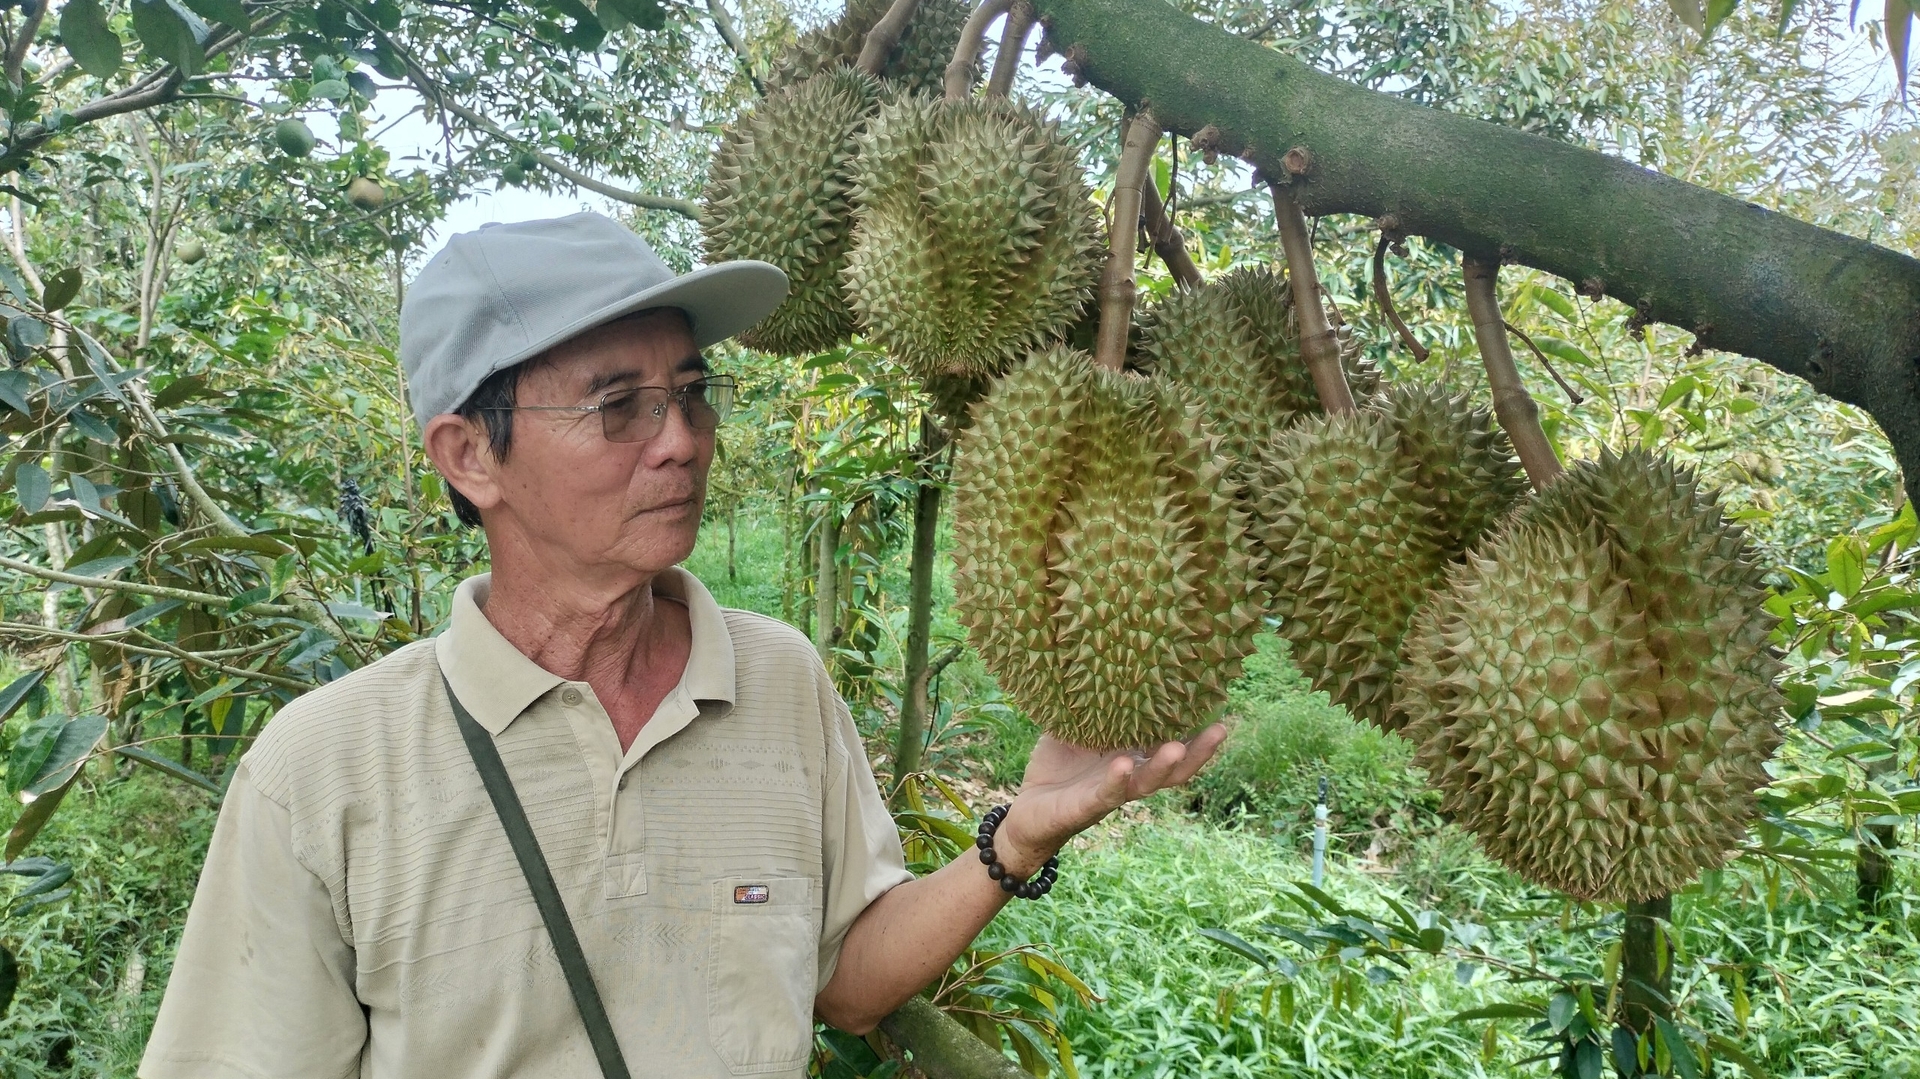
583	636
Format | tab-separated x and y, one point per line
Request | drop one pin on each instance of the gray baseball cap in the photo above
503	294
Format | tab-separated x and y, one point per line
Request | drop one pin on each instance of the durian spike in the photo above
1013	38
1318	345
885	36
966	54
1116	285
1514	406
1167	241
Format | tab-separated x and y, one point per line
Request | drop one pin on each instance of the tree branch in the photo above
942	1048
1013	41
1384	297
431	91
1117	290
958	80
160	649
1167	241
185	595
723	23
1840	312
1318	346
1515	407
885	36
34	10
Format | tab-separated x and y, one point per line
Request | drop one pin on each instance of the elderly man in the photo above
600	825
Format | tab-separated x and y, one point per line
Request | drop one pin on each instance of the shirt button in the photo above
570	696
623	781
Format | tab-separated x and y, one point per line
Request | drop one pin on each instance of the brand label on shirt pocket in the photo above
761	970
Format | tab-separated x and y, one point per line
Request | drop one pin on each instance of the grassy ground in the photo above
1832	995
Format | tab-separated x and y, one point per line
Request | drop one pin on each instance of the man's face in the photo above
575	501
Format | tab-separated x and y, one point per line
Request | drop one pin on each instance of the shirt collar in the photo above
496	682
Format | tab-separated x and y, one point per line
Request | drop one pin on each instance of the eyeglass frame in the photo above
679	395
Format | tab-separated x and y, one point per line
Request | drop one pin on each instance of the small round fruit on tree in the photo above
527	160
366	193
513	175
294	138
190	251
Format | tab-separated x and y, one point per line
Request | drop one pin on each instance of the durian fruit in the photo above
975	241
1234	341
778	191
918	63
1464	468
1350	550
1099	564
1593	691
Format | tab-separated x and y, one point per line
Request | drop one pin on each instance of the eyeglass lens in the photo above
639	414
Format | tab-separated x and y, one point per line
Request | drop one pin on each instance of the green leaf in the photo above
335	90
1512	1010
1678	388
1726	1047
1717	12
1685	1062
15	386
71	748
170	32
150	612
1846	565
62	288
34	818
645	14
90	39
17	692
1238	944
31	750
230	12
1689	12
357	612
1561	1009
32	487
266	545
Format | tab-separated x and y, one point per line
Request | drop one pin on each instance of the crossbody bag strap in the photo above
546	895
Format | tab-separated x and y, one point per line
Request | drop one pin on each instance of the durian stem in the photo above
914	707
942	1048
966	53
885	35
1116	286
1167	241
1646	968
1384	297
1013	38
1318	345
1514	406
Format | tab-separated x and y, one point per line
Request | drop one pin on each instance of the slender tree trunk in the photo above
1840	312
826	587
914	704
733	571
1646	980
1874	867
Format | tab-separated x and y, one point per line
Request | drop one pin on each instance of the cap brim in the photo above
720	301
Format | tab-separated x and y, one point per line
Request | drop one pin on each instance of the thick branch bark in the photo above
1013	41
916	705
942	1048
958	78
885	36
1840	312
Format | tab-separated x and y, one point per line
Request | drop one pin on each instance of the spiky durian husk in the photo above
1593	691
1099	565
1349	551
1235	343
918	63
778	191
1464	468
974	239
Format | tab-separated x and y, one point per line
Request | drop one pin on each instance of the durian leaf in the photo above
17	691
169	766
1690	12
1685	1063
1238	944
1730	1049
90	38
1509	1010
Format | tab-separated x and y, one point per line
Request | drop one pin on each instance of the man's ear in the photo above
459	448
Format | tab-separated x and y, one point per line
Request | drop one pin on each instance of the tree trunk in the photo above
1874	868
1645	980
926	524
944	1049
733	573
1840	312
826	589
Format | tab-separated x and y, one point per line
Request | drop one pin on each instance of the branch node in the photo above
1593	289
1641	318
1297	161
1075	64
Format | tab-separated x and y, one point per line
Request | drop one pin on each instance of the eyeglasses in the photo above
638	413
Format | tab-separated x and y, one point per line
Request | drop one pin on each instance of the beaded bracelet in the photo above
1033	888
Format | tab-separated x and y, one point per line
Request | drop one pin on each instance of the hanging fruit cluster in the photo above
1583	671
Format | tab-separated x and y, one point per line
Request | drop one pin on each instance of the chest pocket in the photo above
761	970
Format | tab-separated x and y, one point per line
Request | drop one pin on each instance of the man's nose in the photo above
677	442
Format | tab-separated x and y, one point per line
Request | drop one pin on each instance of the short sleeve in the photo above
262	985
863	858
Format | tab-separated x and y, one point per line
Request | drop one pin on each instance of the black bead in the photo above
1007	884
1026	891
998	872
1053	862
987	855
985	841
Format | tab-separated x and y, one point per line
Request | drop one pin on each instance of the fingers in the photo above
1200	750
1156	771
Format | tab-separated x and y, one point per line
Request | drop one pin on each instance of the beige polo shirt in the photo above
361	913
